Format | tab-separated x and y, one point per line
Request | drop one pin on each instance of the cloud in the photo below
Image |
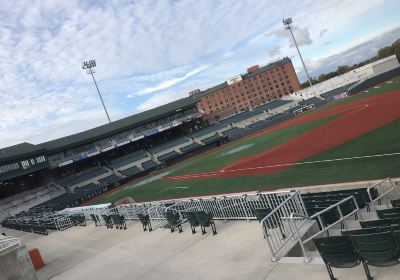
149	52
169	82
322	32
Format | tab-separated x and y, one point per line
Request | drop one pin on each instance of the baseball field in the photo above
357	138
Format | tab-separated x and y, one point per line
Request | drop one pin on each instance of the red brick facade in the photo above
257	86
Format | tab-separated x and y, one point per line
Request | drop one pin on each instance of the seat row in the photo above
175	221
380	249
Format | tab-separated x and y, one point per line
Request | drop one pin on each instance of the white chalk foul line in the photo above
209	174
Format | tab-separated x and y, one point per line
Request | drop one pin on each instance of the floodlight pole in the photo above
287	23
89	67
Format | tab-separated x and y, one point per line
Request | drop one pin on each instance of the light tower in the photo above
89	67
287	23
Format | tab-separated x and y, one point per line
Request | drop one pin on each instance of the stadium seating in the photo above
127	159
89	188
190	148
168	145
192	219
261	213
132	171
174	221
239	117
206	130
148	165
145	220
377	249
212	139
235	133
337	251
272	105
388	213
82	177
205	220
110	180
169	156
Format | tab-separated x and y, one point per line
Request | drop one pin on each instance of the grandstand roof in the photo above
18	151
244	76
118	126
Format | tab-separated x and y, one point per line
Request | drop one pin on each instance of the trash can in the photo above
36	258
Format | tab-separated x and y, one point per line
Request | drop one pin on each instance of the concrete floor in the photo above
238	251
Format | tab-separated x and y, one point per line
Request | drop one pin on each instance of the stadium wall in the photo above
374	80
16	265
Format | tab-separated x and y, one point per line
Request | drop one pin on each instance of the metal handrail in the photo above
275	217
380	187
292	194
293	216
8	242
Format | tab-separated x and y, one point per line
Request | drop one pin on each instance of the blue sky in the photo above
152	52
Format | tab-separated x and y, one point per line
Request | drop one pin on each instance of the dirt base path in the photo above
357	118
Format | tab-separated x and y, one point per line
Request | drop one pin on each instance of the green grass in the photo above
380	141
217	160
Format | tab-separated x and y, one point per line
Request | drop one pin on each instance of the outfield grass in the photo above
380	141
219	159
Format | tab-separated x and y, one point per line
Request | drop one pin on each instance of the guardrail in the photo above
233	207
8	242
276	228
298	221
379	190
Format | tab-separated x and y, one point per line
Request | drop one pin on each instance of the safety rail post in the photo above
378	186
274	220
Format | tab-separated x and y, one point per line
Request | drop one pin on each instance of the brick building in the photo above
242	92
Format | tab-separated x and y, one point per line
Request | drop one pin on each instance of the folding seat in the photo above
145	220
338	252
261	213
388	213
192	219
377	249
206	220
174	220
376	223
360	231
396	203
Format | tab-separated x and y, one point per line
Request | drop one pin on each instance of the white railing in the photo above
232	207
276	227
379	190
298	221
63	223
8	242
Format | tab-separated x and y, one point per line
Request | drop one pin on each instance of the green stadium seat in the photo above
192	219
396	203
376	223
174	220
368	230
261	213
95	219
145	220
388	213
119	221
377	249
206	220
338	252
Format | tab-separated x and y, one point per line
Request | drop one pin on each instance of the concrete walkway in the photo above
238	251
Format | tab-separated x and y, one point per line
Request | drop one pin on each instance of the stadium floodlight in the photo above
287	23
89	67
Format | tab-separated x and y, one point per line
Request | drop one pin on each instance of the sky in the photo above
149	53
